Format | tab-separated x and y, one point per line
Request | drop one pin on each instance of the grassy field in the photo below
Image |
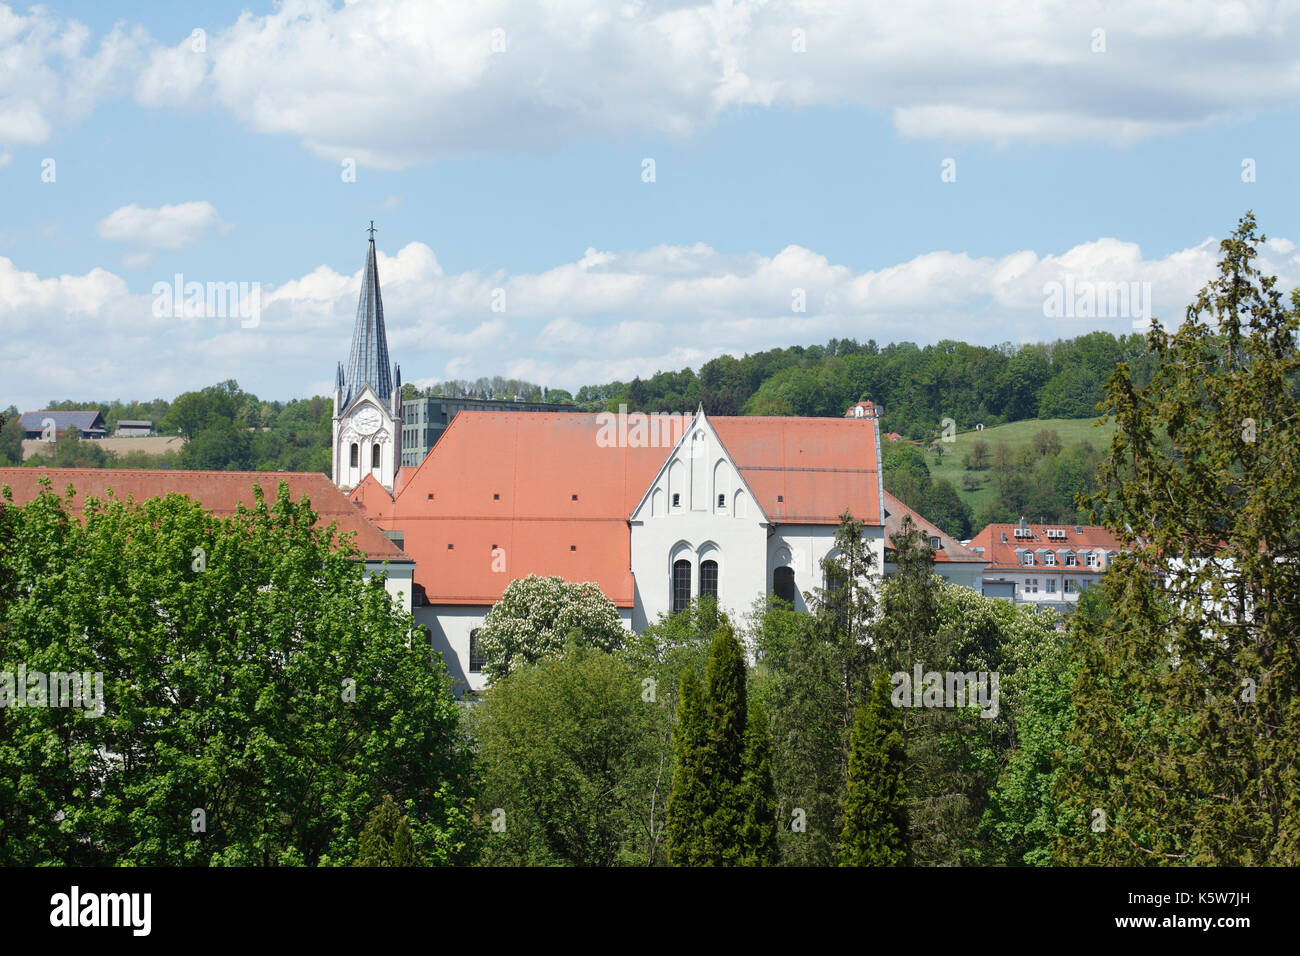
1015	434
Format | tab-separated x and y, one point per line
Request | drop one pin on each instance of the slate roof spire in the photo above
368	361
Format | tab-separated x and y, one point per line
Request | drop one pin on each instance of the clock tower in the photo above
368	395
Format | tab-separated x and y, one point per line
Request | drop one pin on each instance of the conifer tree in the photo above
723	756
386	840
875	808
1186	737
758	828
688	798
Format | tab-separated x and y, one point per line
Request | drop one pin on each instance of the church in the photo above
733	507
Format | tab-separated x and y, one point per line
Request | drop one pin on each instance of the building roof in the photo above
134	423
84	420
220	492
368	359
952	550
1004	556
541	487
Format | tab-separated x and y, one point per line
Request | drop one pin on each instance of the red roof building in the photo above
1044	564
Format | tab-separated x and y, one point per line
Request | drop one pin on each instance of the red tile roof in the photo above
1002	555
218	491
508	480
953	551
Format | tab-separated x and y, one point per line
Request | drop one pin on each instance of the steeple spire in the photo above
368	361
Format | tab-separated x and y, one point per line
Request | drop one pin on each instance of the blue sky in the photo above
520	169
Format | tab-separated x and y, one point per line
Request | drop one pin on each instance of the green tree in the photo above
568	751
386	839
242	724
758	798
875	809
1187	708
688	800
537	616
11	437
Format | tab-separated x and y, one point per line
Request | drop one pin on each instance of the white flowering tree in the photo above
537	616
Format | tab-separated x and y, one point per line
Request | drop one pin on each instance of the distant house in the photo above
49	425
953	562
133	428
867	409
1044	565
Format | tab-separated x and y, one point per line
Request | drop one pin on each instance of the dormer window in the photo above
1049	559
1071	559
1027	559
1090	559
935	543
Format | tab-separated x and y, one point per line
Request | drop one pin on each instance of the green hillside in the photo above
950	464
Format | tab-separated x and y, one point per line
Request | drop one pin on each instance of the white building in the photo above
737	508
1045	565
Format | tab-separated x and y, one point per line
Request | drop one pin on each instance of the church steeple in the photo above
368	361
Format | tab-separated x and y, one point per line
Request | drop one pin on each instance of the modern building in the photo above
953	561
424	420
1045	565
48	425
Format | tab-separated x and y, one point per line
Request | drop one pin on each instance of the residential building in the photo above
133	428
953	561
1046	565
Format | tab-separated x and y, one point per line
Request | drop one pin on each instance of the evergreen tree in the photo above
723	754
758	829
875	809
688	799
386	840
1187	707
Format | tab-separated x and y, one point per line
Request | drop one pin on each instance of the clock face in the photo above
367	420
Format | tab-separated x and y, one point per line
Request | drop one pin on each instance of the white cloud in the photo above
395	83
168	227
606	315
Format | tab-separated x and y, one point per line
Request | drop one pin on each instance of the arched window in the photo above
374	455
476	657
356	455
681	585
783	584
709	579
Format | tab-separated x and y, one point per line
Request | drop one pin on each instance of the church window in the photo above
681	585
476	656
783	584
722	502
677	500
709	579
356	455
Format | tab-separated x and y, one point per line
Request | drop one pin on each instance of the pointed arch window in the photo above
356	455
709	579
374	455
783	584
681	584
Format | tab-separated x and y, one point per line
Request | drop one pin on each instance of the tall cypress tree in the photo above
688	798
758	827
875	808
723	756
